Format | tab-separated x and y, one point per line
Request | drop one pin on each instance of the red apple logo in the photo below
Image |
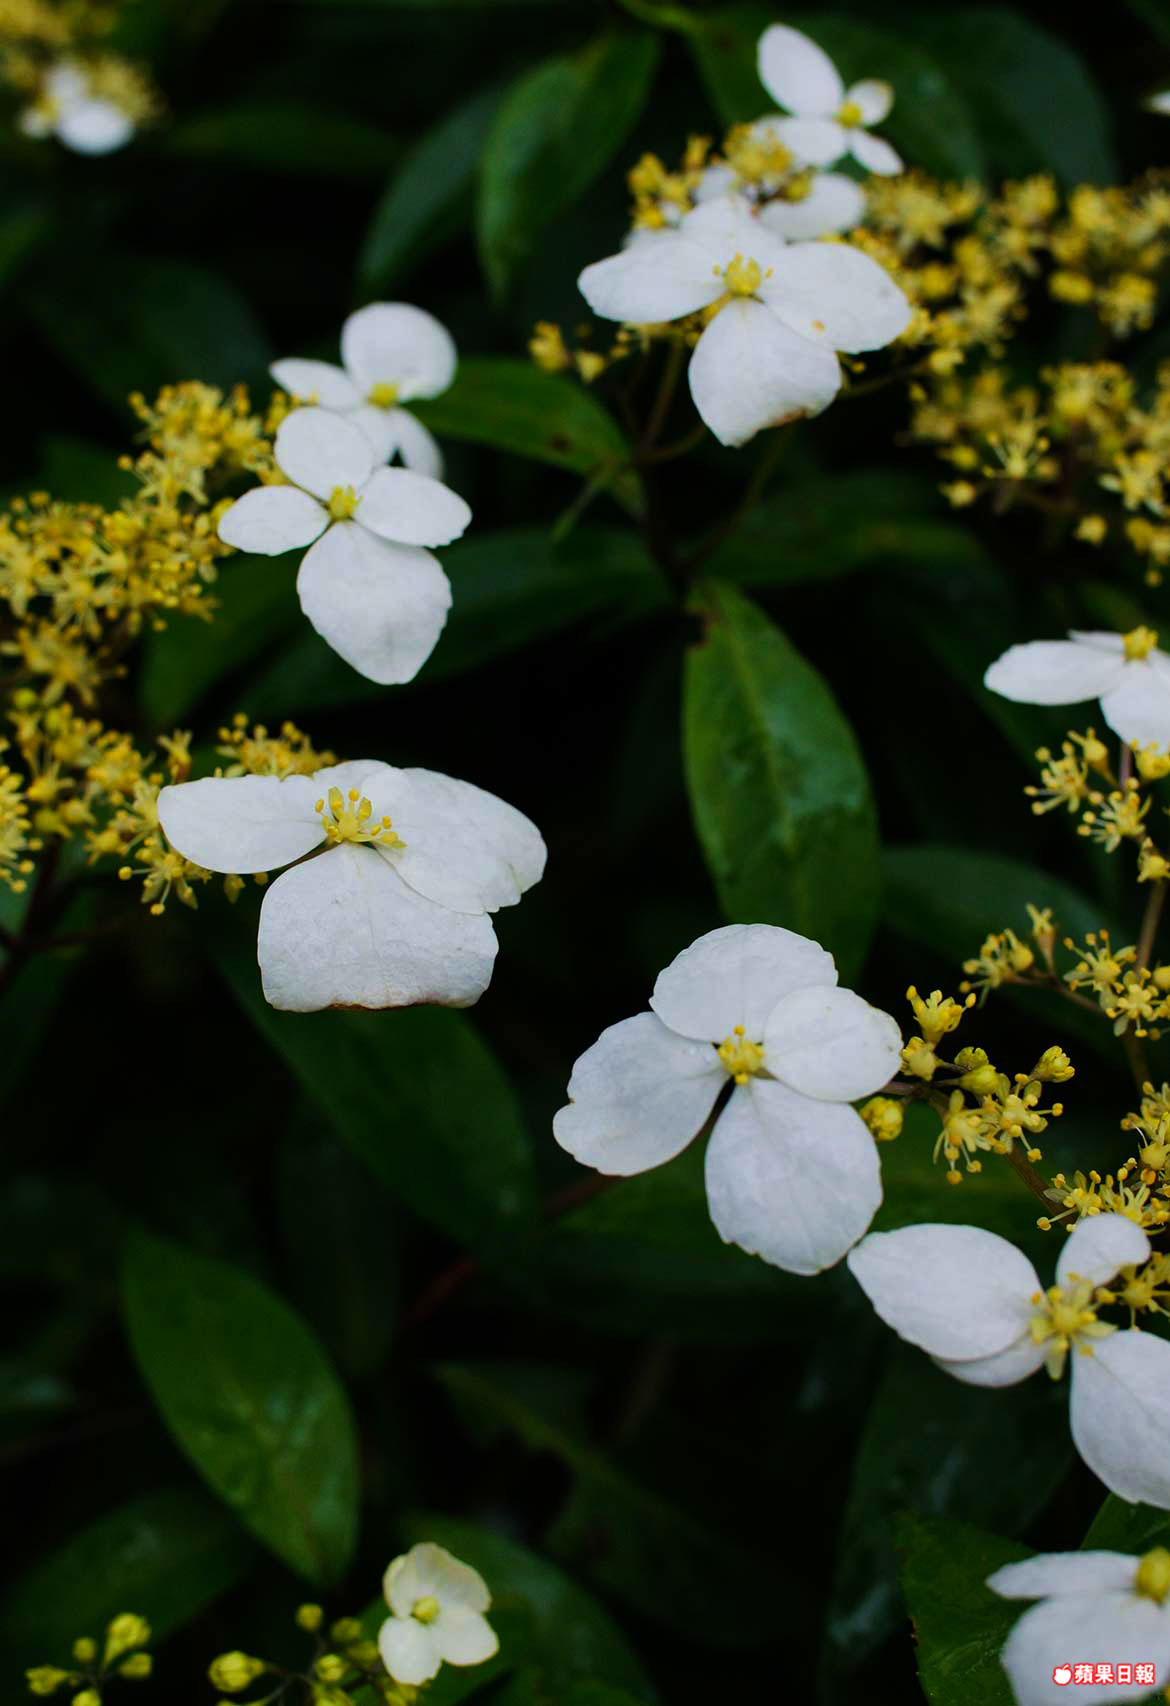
1062	1675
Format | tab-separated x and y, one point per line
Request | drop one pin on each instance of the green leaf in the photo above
415	1094
257	606
542	1617
949	899
514	406
250	1396
555	132
865	519
429	196
959	1624
632	1540
936	1468
285	137
154	322
164	1555
930	124
1032	96
1121	1527
777	783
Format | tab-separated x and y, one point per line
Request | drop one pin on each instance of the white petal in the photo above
375	424
956	1291
380	782
813	141
875	154
34	122
735	976
797	73
835	203
1053	1575
1101	640
316	382
381	607
789	1179
94	127
637	1097
1005	1368
465	848
829	1043
464	1637
728	226
411	509
241	824
271	519
1052	1636
343	930
659	278
409	1650
1053	672
1098	1246
1117	1412
393	343
872	98
321	451
428	1571
749	372
836	296
415	447
1159	103
1138	707
67	84
714	182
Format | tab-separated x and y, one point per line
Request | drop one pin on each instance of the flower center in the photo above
1139	643
1153	1575
343	502
741	1059
383	395
743	277
426	1609
1063	1319
849	114
348	819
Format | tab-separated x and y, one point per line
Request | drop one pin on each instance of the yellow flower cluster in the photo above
344	1662
78	584
121	1654
38	35
981	1109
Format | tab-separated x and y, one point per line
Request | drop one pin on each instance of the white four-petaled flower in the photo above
1093	1605
68	109
393	908
779	312
391	354
828	119
792	1172
437	1607
1126	672
973	1302
367	585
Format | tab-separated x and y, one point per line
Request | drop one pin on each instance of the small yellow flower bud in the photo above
1153	1575
85	1650
45	1679
364	1653
918	1058
1091	529
125	1632
136	1667
331	1667
233	1672
309	1617
87	1697
346	1630
1054	1066
883	1116
1161	976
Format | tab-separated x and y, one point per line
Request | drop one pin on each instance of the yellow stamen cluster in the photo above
741	1058
1063	1321
349	817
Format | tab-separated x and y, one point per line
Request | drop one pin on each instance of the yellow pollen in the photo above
426	1609
382	395
1064	1320
850	114
1139	643
741	1059
744	277
343	502
1153	1575
348	818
